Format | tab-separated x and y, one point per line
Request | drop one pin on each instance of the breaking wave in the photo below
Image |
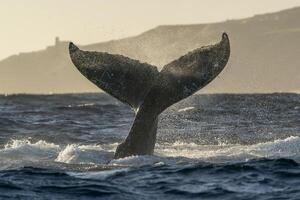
20	153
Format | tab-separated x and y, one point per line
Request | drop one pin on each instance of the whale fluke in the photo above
126	79
188	74
148	91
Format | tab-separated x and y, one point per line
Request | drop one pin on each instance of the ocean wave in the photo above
90	154
99	175
22	152
26	150
281	148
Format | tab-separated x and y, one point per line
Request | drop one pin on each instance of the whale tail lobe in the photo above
148	91
125	79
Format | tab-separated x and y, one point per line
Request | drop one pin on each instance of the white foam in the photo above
21	152
24	152
99	175
77	154
285	148
150	160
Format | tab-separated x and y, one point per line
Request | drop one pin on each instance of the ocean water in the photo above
208	147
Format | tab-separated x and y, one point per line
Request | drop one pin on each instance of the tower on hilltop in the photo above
57	41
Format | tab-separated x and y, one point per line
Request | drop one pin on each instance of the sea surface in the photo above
218	146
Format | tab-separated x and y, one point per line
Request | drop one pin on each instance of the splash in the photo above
77	154
20	153
285	148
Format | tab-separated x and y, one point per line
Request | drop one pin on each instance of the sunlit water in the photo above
209	147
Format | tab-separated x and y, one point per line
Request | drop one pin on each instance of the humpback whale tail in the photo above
148	91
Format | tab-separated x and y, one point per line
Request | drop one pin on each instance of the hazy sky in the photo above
28	25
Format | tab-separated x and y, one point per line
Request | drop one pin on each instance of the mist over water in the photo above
209	146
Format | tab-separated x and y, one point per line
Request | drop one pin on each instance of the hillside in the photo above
265	56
